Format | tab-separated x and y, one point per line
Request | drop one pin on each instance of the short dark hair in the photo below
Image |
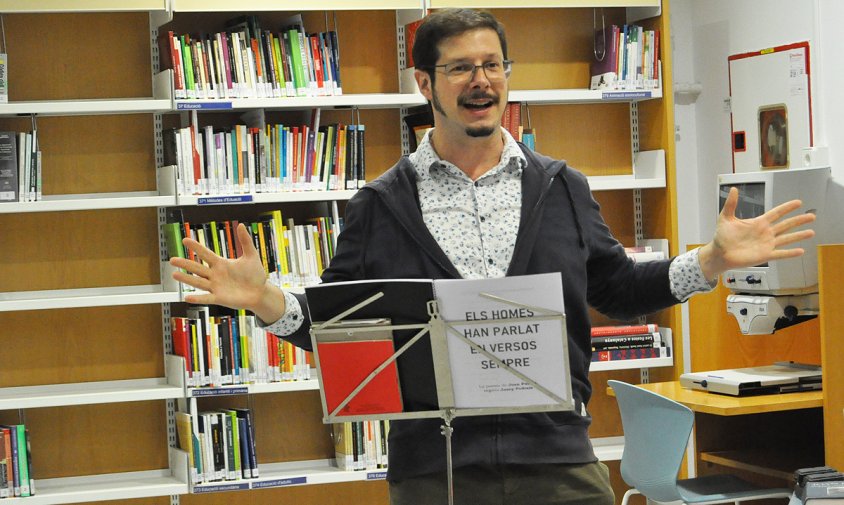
446	23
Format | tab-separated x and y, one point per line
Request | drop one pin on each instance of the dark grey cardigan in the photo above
561	230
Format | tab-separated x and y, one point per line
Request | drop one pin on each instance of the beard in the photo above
472	131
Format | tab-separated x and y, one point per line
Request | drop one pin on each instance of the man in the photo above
470	203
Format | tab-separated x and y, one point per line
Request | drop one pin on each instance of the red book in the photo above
409	38
345	364
318	65
181	341
634	353
633	329
170	58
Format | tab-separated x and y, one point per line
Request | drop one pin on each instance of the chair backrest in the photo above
656	432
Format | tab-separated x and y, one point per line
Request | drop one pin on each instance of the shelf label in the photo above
291	481
625	95
188	105
376	475
218	391
218	200
241	486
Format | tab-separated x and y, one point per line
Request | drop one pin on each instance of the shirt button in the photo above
477	184
490	261
483	219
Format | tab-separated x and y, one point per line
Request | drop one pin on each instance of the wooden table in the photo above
770	435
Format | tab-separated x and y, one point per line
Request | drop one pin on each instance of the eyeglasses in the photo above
459	72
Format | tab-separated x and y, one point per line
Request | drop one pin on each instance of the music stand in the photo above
438	330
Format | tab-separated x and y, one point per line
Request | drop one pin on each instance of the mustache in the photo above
477	95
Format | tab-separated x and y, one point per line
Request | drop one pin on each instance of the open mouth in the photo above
478	103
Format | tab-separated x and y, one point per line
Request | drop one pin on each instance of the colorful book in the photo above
631	329
634	353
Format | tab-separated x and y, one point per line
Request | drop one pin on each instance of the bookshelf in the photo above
86	297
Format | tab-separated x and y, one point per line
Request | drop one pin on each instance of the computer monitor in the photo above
759	192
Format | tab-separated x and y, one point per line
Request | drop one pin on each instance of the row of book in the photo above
512	121
231	349
622	342
309	157
361	445
293	254
220	444
247	61
15	462
20	167
630	58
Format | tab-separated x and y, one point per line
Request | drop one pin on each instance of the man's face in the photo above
468	102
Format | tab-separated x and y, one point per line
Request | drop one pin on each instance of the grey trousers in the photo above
537	484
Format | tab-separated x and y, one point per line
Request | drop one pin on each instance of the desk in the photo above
768	435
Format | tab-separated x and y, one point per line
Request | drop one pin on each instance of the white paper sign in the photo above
535	348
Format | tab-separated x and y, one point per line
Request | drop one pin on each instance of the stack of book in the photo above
247	61
220	445
630	58
20	167
611	343
361	445
293	255
233	350
241	159
15	462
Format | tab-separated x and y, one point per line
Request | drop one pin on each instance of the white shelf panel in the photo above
495	4
17	6
86	107
291	5
117	486
608	448
282	197
581	96
296	473
87	393
85	297
242	389
627	364
612	182
362	101
92	201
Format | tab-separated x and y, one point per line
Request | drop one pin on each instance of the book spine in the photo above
603	331
616	340
635	353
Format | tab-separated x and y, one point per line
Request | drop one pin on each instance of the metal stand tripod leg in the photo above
447	430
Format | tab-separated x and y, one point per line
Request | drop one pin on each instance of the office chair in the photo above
656	432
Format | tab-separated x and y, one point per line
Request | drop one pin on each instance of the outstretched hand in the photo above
740	243
235	283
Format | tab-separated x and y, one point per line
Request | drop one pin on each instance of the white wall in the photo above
705	33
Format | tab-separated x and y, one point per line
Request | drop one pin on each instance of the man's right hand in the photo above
238	284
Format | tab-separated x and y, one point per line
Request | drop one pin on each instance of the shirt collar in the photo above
425	158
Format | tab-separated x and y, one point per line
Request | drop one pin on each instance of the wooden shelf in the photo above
281	197
85	297
772	463
161	101
116	486
496	4
581	96
361	101
291	5
87	393
92	201
724	405
50	6
243	389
